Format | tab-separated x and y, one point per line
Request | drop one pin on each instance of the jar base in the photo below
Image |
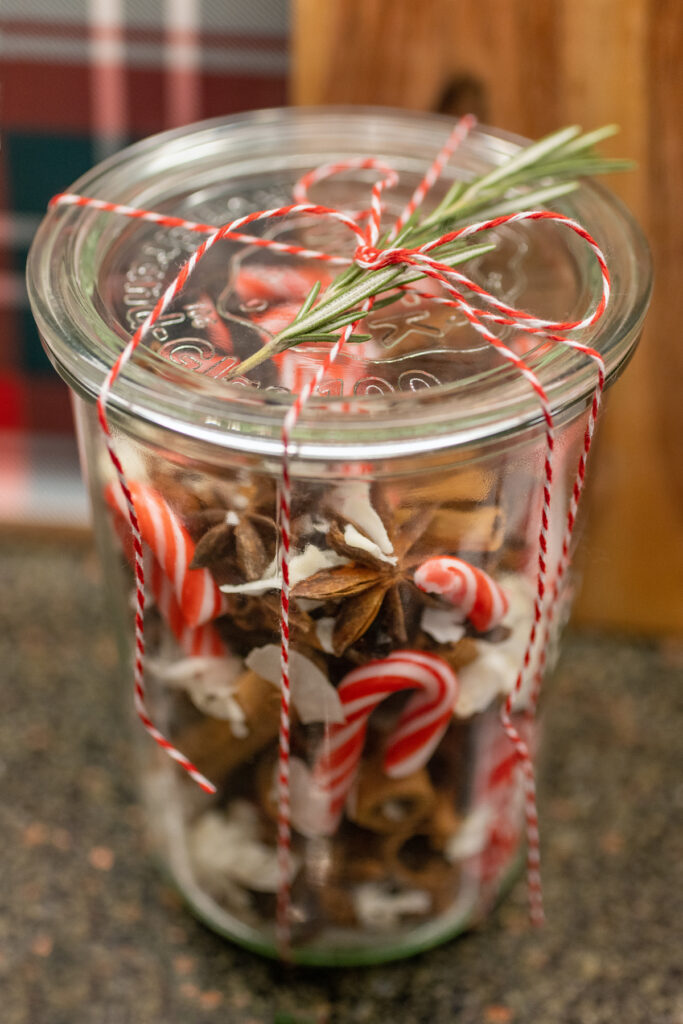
344	950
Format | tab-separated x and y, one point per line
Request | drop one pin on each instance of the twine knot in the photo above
370	258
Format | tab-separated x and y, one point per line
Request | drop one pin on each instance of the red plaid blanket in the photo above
81	83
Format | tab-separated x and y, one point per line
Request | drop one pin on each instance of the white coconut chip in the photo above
472	836
309	802
209	683
482	680
353	503
355	539
324	630
270	581
225	847
443	624
520	594
381	910
310	561
495	669
313	696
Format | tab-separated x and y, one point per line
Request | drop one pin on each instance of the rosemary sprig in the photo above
534	176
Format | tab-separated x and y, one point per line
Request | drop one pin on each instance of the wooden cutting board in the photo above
530	66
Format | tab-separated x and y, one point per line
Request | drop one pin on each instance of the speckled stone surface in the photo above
91	934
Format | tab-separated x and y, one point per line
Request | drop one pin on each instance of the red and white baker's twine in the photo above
369	257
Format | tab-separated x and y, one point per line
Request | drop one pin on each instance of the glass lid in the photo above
420	375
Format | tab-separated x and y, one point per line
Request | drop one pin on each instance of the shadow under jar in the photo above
421	444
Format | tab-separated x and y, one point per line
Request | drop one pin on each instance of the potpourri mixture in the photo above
413	588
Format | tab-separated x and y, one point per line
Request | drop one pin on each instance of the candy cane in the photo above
196	641
420	727
193	640
498	796
472	591
199	598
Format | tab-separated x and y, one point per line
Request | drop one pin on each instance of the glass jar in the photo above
421	444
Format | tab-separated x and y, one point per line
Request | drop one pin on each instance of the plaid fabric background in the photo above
79	79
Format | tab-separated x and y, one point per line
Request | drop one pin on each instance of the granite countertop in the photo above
90	933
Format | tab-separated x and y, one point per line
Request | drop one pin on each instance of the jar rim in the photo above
82	345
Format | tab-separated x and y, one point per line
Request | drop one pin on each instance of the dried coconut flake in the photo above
355	539
381	910
313	696
310	802
444	625
209	683
226	850
354	504
472	836
310	561
494	671
324	630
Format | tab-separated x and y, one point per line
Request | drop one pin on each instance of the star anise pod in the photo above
202	501
238	548
371	584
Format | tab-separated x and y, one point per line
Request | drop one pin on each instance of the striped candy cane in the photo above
199	598
418	731
472	591
195	641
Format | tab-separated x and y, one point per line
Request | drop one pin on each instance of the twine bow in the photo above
372	255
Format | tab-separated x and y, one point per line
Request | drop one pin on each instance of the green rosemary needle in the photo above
531	177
